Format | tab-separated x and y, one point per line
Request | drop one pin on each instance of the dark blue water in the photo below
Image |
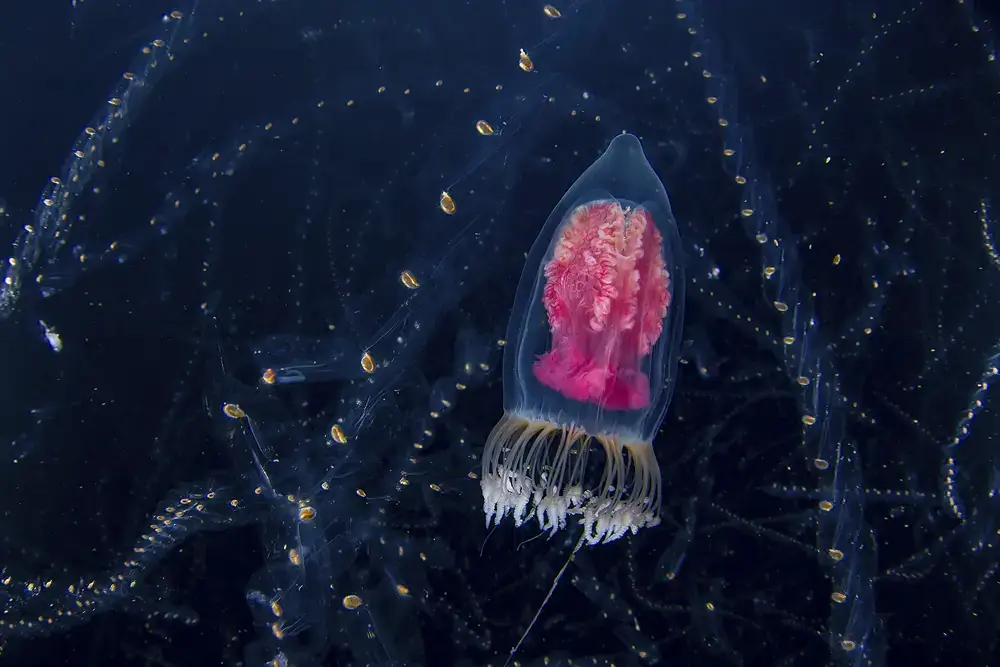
309	188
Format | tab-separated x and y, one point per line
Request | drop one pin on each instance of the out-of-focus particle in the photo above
552	12
447	203
484	128
51	337
524	62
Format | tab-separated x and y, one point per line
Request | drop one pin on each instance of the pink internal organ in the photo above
606	294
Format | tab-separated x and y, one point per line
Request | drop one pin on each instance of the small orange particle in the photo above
447	203
409	280
367	363
233	411
338	435
524	62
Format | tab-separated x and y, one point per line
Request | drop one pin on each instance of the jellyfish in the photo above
591	357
